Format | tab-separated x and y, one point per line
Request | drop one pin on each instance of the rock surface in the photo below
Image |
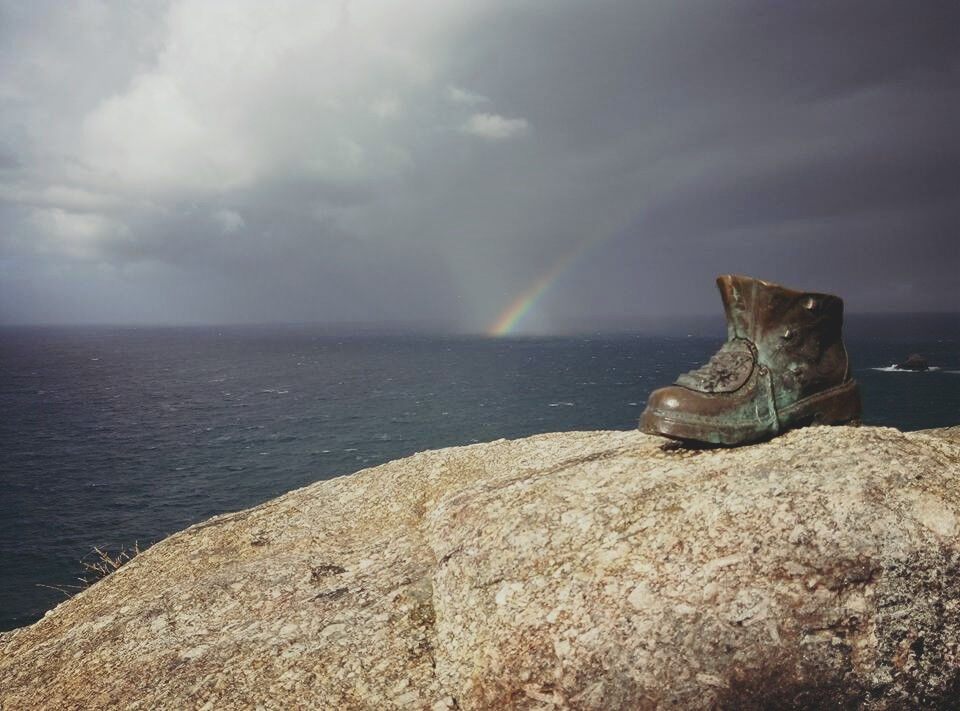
914	362
582	570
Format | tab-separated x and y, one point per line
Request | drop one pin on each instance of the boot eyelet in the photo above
787	335
809	303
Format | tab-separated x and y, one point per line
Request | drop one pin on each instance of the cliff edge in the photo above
579	570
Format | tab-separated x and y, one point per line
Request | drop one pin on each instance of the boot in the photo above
784	365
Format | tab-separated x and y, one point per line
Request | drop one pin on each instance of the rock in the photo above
948	433
914	362
590	570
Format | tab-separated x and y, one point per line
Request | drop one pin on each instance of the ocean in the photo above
111	436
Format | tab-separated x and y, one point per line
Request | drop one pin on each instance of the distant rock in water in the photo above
914	362
577	570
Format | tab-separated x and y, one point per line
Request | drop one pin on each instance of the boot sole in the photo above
836	406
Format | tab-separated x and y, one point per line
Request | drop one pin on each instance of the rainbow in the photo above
514	313
523	304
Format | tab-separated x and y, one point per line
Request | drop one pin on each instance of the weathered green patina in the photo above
784	365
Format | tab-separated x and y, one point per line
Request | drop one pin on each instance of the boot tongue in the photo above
728	369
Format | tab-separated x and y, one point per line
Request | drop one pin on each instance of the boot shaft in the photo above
797	334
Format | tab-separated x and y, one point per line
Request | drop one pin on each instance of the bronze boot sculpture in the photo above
784	365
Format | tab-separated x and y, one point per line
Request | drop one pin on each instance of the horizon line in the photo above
624	324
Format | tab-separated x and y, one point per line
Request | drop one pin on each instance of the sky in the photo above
557	164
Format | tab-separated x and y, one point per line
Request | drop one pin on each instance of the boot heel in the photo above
841	408
837	406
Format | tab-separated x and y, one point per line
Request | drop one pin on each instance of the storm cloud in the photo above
426	162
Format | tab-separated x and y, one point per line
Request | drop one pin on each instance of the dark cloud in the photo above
177	161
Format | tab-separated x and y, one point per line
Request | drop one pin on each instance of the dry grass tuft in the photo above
101	566
104	564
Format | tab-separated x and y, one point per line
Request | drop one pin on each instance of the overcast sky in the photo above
431	160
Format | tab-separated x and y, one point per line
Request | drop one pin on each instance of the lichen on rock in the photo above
582	570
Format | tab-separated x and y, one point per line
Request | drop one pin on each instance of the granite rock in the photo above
914	362
580	570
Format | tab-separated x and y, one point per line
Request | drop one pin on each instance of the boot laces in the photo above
725	370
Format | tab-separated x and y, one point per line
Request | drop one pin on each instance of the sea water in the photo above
111	436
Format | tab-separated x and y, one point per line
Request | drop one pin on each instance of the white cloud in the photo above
494	127
229	220
64	196
244	92
386	107
156	137
462	96
74	234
